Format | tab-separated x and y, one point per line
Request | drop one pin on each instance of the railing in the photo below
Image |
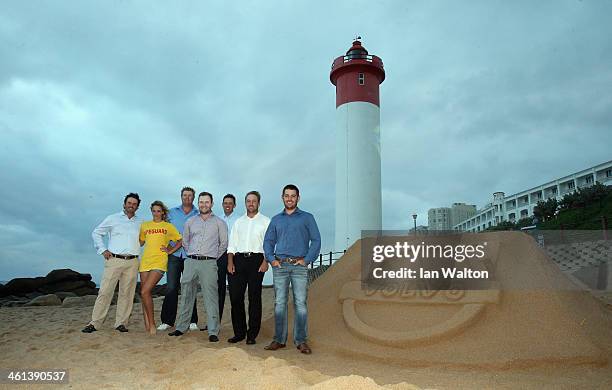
327	259
365	57
318	267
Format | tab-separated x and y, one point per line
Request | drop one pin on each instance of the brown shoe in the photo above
304	348
273	346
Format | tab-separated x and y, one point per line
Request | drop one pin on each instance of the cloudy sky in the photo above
98	99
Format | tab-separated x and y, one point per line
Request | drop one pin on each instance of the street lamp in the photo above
414	217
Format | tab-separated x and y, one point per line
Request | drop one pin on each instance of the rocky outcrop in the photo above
61	283
22	286
45	300
59	280
87	300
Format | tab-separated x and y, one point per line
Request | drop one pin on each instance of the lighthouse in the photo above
357	76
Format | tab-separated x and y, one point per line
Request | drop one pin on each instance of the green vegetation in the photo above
580	210
509	225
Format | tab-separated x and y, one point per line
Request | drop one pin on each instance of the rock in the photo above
14	303
159	290
87	290
65	294
65	275
87	300
22	286
64	280
66	286
45	300
33	295
12	300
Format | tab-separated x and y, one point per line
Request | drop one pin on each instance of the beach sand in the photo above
50	337
577	324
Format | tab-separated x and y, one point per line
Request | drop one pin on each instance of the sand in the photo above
50	337
535	318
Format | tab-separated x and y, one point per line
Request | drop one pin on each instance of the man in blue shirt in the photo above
176	262
292	241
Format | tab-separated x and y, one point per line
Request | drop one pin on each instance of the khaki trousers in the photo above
126	273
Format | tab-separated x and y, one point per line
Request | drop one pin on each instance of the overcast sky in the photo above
98	99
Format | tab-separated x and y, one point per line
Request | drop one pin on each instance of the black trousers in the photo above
246	275
222	282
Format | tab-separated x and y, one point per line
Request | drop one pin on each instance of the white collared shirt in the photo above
122	234
248	234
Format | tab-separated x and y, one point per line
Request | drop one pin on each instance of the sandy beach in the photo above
50	337
524	339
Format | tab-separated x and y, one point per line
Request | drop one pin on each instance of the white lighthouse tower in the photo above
357	76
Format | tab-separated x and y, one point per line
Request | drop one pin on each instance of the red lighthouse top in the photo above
357	76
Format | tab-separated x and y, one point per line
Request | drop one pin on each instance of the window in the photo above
589	179
570	185
361	78
609	173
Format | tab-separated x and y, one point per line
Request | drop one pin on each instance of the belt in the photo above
198	257
248	254
124	257
290	260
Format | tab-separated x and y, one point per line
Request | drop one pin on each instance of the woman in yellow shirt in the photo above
155	235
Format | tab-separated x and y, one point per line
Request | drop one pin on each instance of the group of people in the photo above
193	246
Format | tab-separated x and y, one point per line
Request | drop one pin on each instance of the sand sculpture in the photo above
531	315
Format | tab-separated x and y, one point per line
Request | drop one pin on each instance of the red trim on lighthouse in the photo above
345	76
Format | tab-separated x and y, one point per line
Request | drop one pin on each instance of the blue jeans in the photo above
297	276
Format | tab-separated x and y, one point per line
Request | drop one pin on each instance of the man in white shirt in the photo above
246	267
120	263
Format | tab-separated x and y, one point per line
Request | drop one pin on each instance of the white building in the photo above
520	205
439	218
444	218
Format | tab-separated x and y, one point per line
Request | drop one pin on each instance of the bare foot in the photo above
153	330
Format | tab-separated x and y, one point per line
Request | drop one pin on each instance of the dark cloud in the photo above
98	100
